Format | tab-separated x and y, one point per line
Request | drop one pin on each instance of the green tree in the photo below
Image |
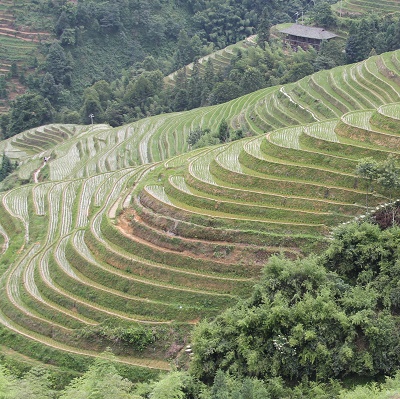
184	52
224	91
389	177
330	55
36	384
252	80
223	131
169	387
104	91
220	389
366	256
101	381
57	64
91	105
68	37
27	111
62	23
14	70
149	63
7	384
209	75
323	15
367	168
299	71
195	135
263	28
195	87
3	87
6	167
303	321
361	39
49	88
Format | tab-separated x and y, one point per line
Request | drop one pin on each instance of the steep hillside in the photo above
19	46
125	239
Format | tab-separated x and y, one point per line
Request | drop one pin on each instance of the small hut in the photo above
305	36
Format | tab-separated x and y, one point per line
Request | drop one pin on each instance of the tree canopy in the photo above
321	317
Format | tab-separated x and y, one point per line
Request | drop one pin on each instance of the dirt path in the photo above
37	171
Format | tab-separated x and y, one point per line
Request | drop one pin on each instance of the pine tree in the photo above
57	63
6	167
223	132
263	28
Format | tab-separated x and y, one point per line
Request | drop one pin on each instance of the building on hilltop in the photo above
305	36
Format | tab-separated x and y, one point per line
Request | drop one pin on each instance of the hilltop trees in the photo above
57	64
323	15
27	111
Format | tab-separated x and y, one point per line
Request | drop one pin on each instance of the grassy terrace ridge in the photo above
220	60
125	228
99	148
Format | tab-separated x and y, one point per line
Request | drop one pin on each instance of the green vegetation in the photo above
126	92
125	239
328	318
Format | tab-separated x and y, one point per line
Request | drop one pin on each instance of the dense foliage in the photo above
6	167
320	318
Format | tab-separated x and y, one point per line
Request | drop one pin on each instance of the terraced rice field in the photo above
220	60
129	227
366	6
19	44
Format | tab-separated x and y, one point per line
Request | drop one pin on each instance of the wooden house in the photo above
304	36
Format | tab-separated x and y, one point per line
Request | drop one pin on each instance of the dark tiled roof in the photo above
309	32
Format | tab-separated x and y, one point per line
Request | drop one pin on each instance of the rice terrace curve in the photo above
126	225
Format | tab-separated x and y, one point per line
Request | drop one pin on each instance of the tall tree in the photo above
62	23
36	384
57	64
223	132
169	387
263	28
183	54
389	177
6	167
195	87
91	105
27	111
101	381
7	384
367	168
323	15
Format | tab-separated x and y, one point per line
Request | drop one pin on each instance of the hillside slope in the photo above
99	148
128	229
